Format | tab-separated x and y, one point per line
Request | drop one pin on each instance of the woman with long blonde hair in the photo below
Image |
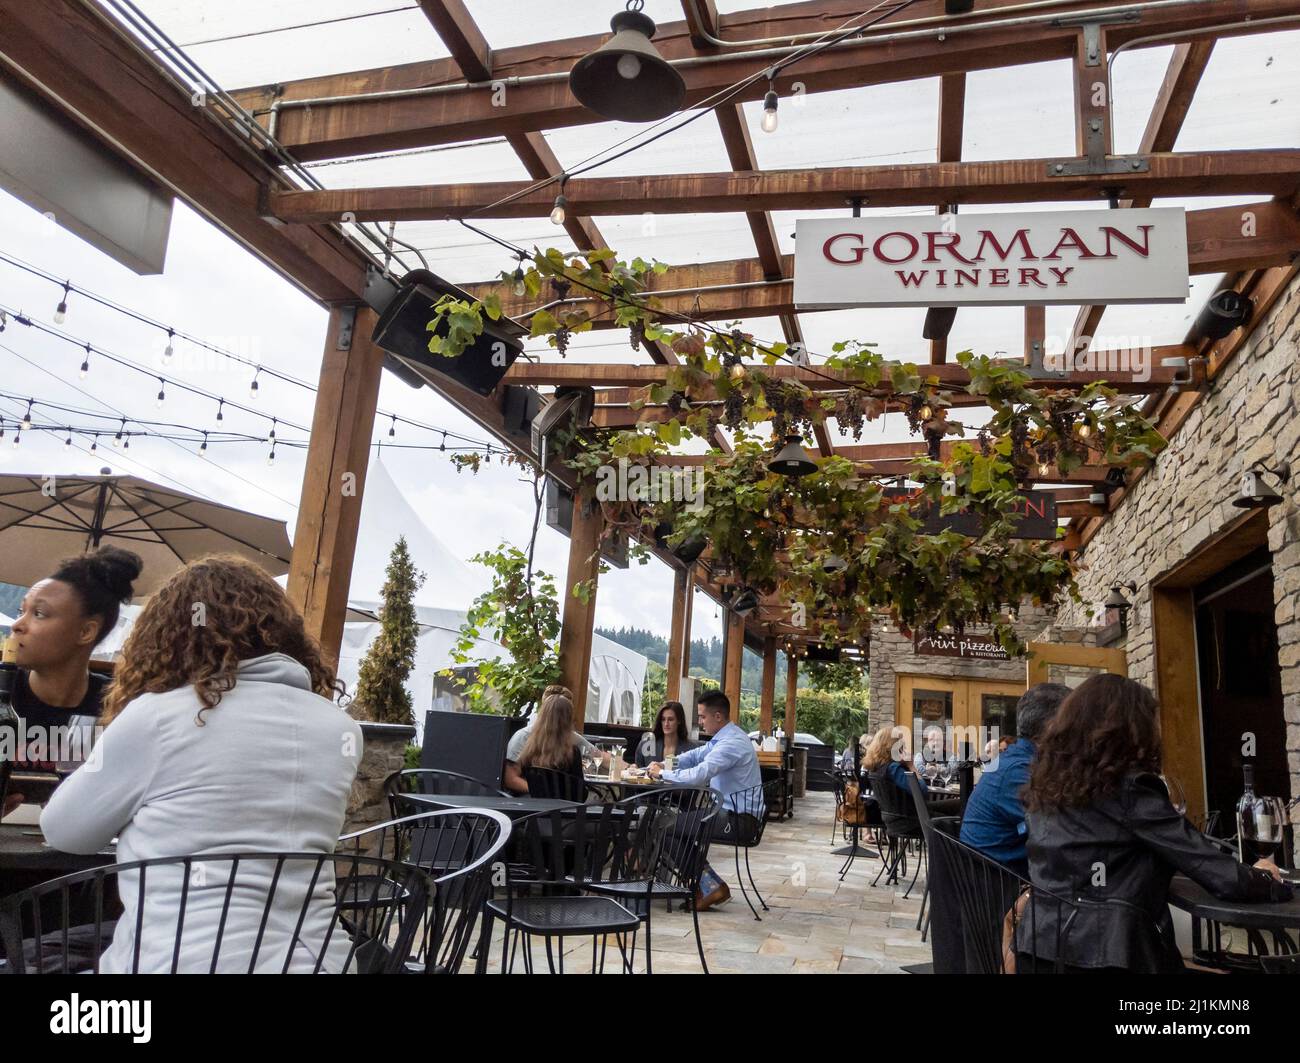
550	740
221	738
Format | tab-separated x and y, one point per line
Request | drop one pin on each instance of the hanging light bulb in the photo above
18	436
67	443
162	393
85	365
4	320
94	443
169	351
203	448
558	214
252	388
27	417
2	428
274	422
126	443
61	311
443	444
220	405
769	111
270	458
520	288
117	439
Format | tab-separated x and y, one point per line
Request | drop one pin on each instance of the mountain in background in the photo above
706	656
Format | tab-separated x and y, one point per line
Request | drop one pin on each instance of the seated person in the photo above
994	819
729	765
889	755
513	778
551	743
1096	800
219	737
63	619
669	738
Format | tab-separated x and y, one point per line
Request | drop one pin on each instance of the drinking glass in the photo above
1177	796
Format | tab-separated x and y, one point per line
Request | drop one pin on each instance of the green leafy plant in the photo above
521	612
775	532
381	683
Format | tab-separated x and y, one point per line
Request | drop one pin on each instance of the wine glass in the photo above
1264	825
1177	796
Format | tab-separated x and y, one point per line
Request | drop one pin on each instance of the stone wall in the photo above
1185	501
891	653
384	752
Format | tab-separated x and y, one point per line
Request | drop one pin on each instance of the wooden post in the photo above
732	658
1091	94
679	636
578	622
333	482
1035	335
768	694
791	693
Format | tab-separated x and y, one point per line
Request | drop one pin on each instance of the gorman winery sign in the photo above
1078	256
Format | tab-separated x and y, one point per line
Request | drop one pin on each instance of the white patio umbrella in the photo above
44	519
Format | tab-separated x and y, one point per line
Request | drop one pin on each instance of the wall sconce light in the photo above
1116	601
1254	492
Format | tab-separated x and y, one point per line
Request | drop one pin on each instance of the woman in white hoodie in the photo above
221	738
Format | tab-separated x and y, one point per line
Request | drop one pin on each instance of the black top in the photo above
1122	850
36	713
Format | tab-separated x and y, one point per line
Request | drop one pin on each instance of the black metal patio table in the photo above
514	807
26	858
1274	918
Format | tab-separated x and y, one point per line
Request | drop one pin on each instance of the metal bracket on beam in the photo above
1096	165
1092	44
347	324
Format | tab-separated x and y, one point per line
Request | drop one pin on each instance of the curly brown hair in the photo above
196	628
1108	728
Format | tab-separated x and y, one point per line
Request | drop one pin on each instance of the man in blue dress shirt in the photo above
994	821
729	765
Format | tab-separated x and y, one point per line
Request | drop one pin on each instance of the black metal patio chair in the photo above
462	851
741	823
254	912
431	781
667	847
902	828
554	857
556	784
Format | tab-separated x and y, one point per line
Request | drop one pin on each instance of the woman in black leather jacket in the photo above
1104	837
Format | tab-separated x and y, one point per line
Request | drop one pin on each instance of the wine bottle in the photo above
10	728
1246	805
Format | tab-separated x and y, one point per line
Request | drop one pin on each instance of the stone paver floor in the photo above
816	923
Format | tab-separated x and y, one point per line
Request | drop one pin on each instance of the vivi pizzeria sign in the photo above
1078	256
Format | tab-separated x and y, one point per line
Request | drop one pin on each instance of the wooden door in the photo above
1070	663
966	709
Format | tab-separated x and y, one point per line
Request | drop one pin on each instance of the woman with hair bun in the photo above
63	618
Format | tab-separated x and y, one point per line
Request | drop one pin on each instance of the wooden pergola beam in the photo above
952	113
1269	171
95	74
602	374
451	114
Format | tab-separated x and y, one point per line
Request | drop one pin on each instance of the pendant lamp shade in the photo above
793	459
626	78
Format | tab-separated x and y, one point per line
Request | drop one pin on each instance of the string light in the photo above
443	444
220	404
67	443
94	443
559	213
392	428
18	436
770	102
162	393
252	388
2	428
27	417
270	458
117	439
273	424
61	311
204	448
4	320
520	287
85	365
169	352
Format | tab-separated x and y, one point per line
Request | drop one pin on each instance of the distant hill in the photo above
706	655
11	598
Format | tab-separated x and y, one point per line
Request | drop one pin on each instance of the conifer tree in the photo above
381	683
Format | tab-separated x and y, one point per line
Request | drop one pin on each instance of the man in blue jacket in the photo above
994	820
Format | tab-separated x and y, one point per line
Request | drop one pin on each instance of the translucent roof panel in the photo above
1019	112
242	43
